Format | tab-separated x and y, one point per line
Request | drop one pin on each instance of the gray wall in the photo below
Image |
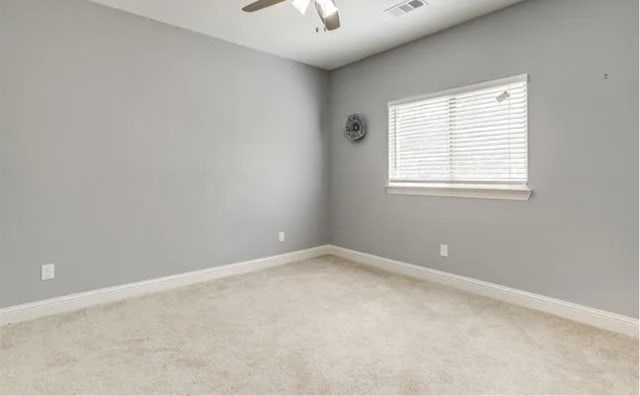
577	238
130	150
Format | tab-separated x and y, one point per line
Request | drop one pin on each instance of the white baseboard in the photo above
71	302
578	313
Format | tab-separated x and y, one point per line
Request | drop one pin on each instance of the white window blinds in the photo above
471	135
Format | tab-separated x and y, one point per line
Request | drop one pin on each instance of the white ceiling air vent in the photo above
405	7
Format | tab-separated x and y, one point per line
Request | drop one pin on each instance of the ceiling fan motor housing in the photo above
327	9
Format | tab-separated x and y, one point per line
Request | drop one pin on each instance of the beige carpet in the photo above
320	326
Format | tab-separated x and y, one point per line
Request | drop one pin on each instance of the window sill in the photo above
487	191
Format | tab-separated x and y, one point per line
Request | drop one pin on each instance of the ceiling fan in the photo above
327	9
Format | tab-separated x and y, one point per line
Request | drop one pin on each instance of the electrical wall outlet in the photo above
47	272
281	237
444	250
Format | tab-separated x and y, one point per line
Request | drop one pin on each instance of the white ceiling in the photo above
281	30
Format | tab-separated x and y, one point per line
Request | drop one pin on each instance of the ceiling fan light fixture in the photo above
328	7
301	5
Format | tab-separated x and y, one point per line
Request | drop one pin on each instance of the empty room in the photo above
319	197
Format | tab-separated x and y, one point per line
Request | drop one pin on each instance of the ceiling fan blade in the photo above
332	22
260	4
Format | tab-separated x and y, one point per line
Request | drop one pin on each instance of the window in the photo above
469	141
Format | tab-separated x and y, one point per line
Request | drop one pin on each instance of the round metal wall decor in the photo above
354	128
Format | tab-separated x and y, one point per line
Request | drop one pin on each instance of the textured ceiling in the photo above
280	30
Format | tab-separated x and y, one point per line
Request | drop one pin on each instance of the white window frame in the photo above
464	190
